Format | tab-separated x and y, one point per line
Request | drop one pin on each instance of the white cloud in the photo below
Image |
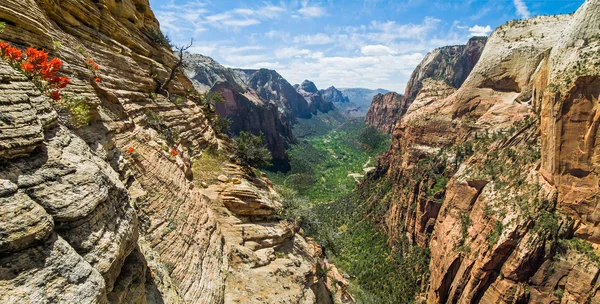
271	11
317	55
388	71
264	65
386	32
481	13
311	11
230	19
376	50
316	39
268	11
376	54
479	30
522	9
203	49
194	17
291	52
244	49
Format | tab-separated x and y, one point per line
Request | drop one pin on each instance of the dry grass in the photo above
208	167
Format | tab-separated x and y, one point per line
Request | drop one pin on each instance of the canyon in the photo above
487	193
114	210
494	177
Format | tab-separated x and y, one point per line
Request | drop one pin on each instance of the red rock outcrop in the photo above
273	87
453	64
450	65
111	211
385	110
247	109
497	177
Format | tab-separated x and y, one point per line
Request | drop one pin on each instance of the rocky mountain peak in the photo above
385	110
451	64
315	100
248	109
309	86
334	95
271	86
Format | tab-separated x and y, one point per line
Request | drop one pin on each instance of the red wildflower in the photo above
36	57
13	54
92	64
130	150
55	95
51	67
62	82
97	79
3	47
27	67
174	153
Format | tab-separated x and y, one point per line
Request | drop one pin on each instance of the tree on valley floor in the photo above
250	150
371	137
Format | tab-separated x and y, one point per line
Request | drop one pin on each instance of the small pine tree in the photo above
221	125
250	150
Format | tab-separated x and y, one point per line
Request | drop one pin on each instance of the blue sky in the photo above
369	43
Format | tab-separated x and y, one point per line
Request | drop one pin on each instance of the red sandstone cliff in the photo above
111	211
498	178
449	64
385	110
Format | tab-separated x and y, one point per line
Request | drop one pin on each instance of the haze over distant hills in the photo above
360	99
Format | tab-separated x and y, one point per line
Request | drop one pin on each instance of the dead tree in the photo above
178	65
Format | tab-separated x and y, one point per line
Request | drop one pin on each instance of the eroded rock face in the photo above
450	65
248	109
57	197
334	95
316	102
385	110
108	212
496	177
273	87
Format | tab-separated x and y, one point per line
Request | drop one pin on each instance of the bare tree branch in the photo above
180	49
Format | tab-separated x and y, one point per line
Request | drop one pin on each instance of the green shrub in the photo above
176	99
221	124
250	150
212	98
372	138
171	135
494	236
157	36
580	246
208	166
295	209
77	109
